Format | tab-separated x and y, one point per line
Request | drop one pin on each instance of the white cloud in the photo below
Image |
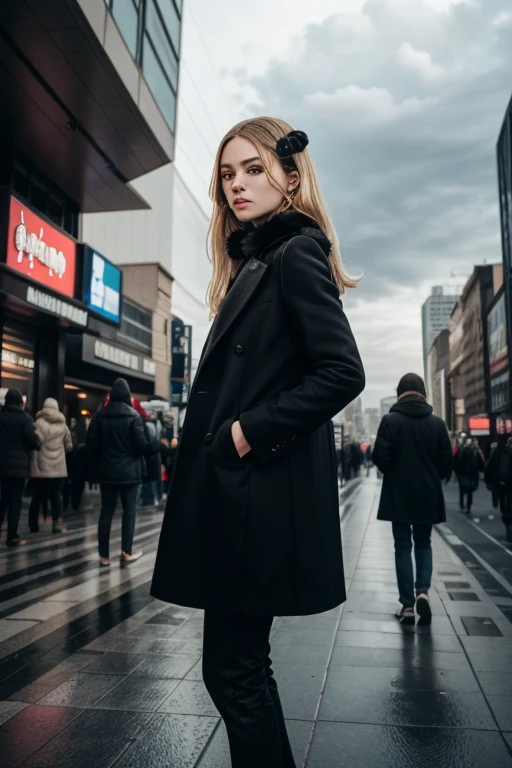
419	62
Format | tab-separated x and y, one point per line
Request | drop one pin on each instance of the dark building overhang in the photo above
89	125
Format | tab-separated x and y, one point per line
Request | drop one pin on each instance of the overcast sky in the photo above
403	102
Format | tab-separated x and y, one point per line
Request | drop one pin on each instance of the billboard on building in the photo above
497	337
39	251
101	290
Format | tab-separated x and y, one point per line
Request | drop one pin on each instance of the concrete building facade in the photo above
435	317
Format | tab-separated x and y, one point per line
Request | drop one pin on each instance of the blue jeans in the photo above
403	560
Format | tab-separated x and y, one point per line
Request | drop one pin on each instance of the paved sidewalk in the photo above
357	688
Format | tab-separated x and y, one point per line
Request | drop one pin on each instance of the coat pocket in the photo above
230	484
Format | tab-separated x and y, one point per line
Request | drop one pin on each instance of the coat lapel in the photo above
242	290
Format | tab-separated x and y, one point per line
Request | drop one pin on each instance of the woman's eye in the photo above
255	169
227	176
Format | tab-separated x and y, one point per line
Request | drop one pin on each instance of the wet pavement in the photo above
96	673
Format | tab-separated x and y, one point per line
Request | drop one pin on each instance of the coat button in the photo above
208	438
239	349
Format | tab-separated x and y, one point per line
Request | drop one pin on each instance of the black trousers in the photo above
10	502
238	675
45	488
73	490
464	492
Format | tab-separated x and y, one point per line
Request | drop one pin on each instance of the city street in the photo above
96	673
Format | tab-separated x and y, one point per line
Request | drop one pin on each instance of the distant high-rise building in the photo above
386	403
358	418
371	421
435	317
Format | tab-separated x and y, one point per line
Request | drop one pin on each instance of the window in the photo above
160	41
136	324
126	15
151	30
172	21
158	82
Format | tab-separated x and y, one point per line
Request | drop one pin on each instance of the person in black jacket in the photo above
498	476
468	465
117	441
17	439
413	452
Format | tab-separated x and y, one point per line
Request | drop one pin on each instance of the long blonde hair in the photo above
264	133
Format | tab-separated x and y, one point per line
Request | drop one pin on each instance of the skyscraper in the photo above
435	316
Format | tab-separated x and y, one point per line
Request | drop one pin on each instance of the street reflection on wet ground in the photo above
96	673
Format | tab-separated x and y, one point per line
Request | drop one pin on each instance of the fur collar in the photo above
250	242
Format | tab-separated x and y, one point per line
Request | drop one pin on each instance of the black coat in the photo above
117	442
17	439
413	451
468	464
261	535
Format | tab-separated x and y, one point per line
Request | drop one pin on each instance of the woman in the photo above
468	465
49	469
251	529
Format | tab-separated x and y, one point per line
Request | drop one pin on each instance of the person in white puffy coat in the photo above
48	468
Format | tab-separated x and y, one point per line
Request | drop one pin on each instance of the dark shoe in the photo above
104	562
15	542
424	611
127	559
406	615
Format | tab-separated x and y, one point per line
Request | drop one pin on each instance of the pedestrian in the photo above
116	440
17	439
413	452
151	488
356	458
49	470
468	464
78	474
368	459
251	527
498	476
492	486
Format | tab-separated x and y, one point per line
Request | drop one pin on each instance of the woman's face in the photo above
248	192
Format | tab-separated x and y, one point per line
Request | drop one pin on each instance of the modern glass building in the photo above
504	152
152	32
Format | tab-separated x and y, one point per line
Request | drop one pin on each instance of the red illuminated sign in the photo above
39	251
478	422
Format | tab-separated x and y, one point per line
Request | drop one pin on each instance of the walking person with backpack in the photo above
414	453
498	475
468	465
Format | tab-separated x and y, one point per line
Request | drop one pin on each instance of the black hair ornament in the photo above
293	142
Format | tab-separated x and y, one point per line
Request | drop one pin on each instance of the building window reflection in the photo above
17	359
126	15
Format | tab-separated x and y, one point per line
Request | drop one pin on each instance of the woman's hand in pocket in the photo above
241	444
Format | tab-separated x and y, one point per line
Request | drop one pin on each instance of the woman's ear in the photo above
293	180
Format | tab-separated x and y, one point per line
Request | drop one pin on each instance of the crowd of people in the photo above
124	452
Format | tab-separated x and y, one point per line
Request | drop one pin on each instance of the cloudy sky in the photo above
403	102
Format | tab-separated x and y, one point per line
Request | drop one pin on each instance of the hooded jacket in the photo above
17	439
116	439
52	430
413	451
